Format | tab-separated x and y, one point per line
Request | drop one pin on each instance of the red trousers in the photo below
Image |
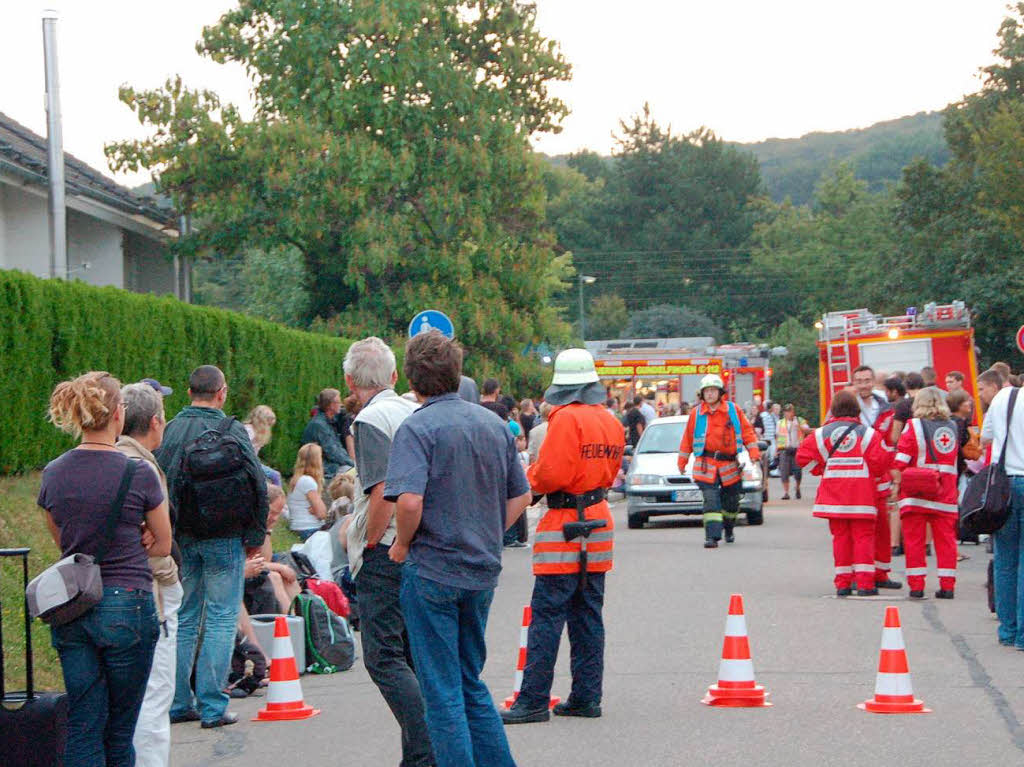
853	544
883	541
944	538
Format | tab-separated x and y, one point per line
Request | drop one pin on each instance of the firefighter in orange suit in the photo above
711	437
578	461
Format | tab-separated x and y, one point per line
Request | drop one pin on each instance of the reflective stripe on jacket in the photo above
847	489
581	452
912	450
720	435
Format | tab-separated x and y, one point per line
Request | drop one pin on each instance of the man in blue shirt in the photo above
458	484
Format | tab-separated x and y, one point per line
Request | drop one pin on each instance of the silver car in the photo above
654	486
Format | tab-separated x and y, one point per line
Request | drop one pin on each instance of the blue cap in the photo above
165	391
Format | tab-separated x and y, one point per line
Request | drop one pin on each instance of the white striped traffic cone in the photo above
284	695
524	635
736	687
893	692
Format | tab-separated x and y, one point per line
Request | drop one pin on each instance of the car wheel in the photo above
755	517
636	521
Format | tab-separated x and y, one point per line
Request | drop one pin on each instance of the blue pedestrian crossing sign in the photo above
431	319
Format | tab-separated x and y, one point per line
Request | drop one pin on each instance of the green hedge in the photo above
52	330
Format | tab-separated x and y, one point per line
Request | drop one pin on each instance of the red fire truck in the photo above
939	336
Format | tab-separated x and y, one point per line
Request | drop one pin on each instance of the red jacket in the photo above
912	451
582	451
848	478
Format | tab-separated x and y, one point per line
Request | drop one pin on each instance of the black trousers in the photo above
386	652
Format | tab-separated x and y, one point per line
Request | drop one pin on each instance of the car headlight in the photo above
645	479
752	473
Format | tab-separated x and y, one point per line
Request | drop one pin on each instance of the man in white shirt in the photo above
646	410
370	374
1003	429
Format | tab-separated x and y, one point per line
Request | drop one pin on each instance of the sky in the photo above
747	69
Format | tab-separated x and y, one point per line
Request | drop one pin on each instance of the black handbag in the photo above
985	506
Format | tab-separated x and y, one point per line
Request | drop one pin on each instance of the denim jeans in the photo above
446	626
106	655
386	652
213	575
1009	569
557	600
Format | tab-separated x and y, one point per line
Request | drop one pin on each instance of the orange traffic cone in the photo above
524	635
736	687
893	691
284	695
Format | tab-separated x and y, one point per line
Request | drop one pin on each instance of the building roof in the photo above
26	150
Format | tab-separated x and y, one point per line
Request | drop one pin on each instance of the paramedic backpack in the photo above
215	495
330	645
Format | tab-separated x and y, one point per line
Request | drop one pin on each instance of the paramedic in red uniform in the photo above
847	455
877	413
926	457
578	461
715	433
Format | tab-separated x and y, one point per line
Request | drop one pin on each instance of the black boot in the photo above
844	592
710	543
729	537
889	583
520	714
944	594
569	708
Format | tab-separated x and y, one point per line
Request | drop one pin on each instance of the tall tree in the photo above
389	148
960	225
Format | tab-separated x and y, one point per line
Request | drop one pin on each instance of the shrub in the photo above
52	330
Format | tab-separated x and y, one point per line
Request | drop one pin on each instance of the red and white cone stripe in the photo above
284	694
524	636
736	685
894	693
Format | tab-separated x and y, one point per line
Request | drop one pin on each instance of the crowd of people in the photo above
409	499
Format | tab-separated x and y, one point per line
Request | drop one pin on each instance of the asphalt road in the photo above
665	610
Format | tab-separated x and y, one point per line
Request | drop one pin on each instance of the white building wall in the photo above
26	233
98	244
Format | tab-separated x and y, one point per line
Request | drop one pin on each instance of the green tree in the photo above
667	321
389	150
960	225
607	317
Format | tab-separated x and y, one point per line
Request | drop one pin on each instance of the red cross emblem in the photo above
944	440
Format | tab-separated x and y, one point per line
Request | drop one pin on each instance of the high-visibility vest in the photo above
700	429
582	451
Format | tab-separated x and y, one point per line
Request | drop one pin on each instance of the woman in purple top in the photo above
105	654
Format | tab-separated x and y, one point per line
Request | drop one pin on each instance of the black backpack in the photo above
215	494
330	645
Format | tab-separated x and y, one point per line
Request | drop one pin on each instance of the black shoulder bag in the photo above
986	503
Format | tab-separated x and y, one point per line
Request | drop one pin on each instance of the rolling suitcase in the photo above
33	726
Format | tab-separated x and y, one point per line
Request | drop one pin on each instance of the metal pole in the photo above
54	151
583	331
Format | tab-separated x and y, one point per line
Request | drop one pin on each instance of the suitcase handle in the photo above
29	686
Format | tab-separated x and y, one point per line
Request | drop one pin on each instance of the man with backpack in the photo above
219	495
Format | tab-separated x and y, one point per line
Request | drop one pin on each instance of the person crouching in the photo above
847	455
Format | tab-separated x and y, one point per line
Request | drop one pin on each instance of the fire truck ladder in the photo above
838	358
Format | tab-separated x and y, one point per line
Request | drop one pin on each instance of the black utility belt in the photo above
570	501
720	456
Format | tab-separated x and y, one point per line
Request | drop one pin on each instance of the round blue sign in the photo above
431	319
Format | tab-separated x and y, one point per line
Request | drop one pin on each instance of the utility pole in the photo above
54	152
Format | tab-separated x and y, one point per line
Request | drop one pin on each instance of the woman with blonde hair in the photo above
107	652
259	425
926	458
306	507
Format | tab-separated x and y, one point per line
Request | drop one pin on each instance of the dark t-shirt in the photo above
497	408
464	464
634	419
78	490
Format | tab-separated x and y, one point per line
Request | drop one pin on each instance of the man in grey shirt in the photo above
458	484
370	374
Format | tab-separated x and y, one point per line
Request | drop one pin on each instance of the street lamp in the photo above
584	278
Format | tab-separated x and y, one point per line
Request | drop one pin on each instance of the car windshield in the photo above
661	438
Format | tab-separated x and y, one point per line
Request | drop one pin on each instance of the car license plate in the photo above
689	494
